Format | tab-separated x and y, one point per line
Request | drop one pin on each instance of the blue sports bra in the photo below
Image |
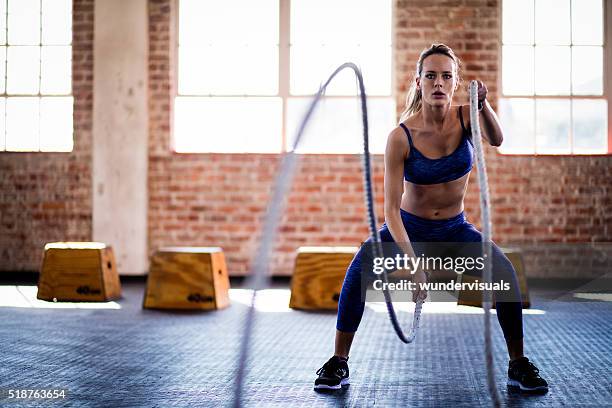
419	169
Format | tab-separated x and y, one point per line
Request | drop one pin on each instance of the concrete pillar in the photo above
120	131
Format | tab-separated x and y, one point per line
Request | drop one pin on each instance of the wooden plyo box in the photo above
318	276
474	297
187	278
78	271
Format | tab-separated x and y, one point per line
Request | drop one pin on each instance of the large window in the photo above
35	75
247	70
555	99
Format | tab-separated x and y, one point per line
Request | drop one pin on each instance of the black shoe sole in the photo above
514	384
325	387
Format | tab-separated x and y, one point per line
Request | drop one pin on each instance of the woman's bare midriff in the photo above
435	201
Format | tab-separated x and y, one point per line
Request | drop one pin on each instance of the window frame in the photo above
284	78
607	81
5	95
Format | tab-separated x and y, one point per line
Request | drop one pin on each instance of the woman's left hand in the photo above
482	91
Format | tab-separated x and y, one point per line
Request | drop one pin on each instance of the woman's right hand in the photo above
419	278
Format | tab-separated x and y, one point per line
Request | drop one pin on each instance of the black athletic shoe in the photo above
524	375
333	375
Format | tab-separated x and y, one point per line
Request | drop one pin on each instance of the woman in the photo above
428	159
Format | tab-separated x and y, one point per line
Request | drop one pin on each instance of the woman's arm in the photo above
490	127
395	154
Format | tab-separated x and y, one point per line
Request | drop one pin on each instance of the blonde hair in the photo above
414	97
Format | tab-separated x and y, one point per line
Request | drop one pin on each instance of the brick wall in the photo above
219	199
47	196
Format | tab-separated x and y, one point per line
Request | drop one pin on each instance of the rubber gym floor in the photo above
118	355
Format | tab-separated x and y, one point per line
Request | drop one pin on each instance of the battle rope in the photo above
486	240
258	276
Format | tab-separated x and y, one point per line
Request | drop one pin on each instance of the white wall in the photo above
120	131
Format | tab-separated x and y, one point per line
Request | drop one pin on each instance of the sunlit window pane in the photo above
2	124
228	48
35	123
2	69
552	22
56	124
517	22
356	31
342	22
590	125
587	70
191	13
587	22
56	70
209	124
552	70
56	22
517	116
568	59
553	126
517	66
244	21
24	22
312	65
2	22
336	126
22	123
228	69
23	70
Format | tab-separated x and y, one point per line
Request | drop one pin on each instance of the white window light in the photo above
35	75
